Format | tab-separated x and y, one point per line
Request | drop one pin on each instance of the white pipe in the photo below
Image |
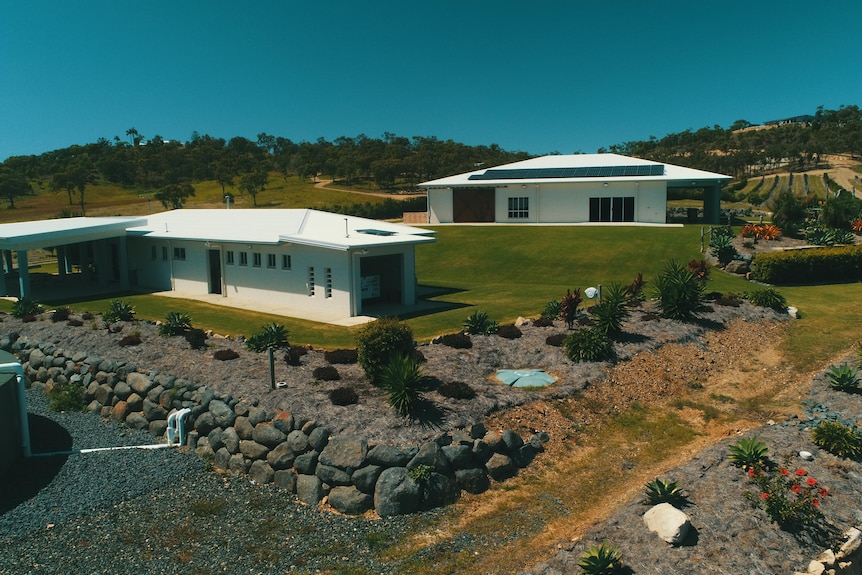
96	449
22	405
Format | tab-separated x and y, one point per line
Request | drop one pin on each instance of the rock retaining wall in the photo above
294	453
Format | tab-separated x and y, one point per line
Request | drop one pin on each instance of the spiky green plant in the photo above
26	306
768	297
838	439
273	336
721	245
843	377
659	491
609	315
679	291
403	382
552	310
176	323
380	341
119	310
601	560
748	453
478	323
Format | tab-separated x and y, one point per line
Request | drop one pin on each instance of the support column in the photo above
23	274
712	204
62	270
124	263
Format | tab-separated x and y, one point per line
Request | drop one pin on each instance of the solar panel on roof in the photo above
560	173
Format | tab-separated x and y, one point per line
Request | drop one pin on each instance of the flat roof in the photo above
578	168
48	233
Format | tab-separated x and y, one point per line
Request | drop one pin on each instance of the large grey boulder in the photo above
231	440
139	383
252	449
349	500
285	479
366	478
268	435
388	456
430	454
297	441
345	453
500	467
309	489
472	480
261	472
222	414
396	493
438	490
204	424
306	463
668	522
459	456
281	457
319	438
332	475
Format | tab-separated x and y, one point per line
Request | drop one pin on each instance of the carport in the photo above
96	246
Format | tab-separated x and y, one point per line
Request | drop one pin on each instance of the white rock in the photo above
793	312
851	545
806	455
668	522
827	558
816	568
520	321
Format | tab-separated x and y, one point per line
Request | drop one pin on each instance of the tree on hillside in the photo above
224	174
134	136
13	185
174	196
253	183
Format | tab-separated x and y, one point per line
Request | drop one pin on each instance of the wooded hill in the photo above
171	170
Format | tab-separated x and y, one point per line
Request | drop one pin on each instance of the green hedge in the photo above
809	266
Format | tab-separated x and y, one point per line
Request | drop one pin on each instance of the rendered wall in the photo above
440	206
10	418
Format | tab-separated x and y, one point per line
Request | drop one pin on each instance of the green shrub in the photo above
343	396
838	439
326	373
552	310
292	356
556	339
768	297
601	560
272	336
659	491
588	344
609	315
478	323
679	291
176	323
66	397
456	340
26	307
543	322
721	246
456	390
341	356
133	338
381	341
403	382
843	378
748	453
816	265
421	473
119	310
820	236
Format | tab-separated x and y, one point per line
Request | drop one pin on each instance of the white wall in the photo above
440	206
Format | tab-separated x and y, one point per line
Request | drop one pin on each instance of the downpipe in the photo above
24	420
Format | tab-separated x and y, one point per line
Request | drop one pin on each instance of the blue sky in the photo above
540	77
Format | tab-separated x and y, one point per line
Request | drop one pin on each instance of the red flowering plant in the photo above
791	498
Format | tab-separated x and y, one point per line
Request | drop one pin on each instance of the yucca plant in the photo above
843	377
768	297
721	246
659	491
119	310
679	291
478	323
26	306
176	323
270	336
609	315
838	439
552	310
403	382
601	560
749	453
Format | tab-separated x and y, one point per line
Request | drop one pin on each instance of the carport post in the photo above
23	274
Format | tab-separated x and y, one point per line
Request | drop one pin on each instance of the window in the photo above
255	258
270	261
519	208
164	253
179	253
285	262
619	209
310	281
228	258
328	292
154	253
243	258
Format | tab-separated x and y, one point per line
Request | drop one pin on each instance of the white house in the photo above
315	262
569	189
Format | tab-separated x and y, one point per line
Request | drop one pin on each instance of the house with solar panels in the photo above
299	262
561	189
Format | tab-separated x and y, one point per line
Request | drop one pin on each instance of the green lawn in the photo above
511	271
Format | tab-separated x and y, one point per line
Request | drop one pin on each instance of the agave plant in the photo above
680	292
403	382
843	378
119	310
478	323
838	439
749	453
176	323
608	316
659	491
26	306
272	336
601	560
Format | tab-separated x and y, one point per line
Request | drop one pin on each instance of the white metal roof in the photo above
672	174
49	233
299	226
